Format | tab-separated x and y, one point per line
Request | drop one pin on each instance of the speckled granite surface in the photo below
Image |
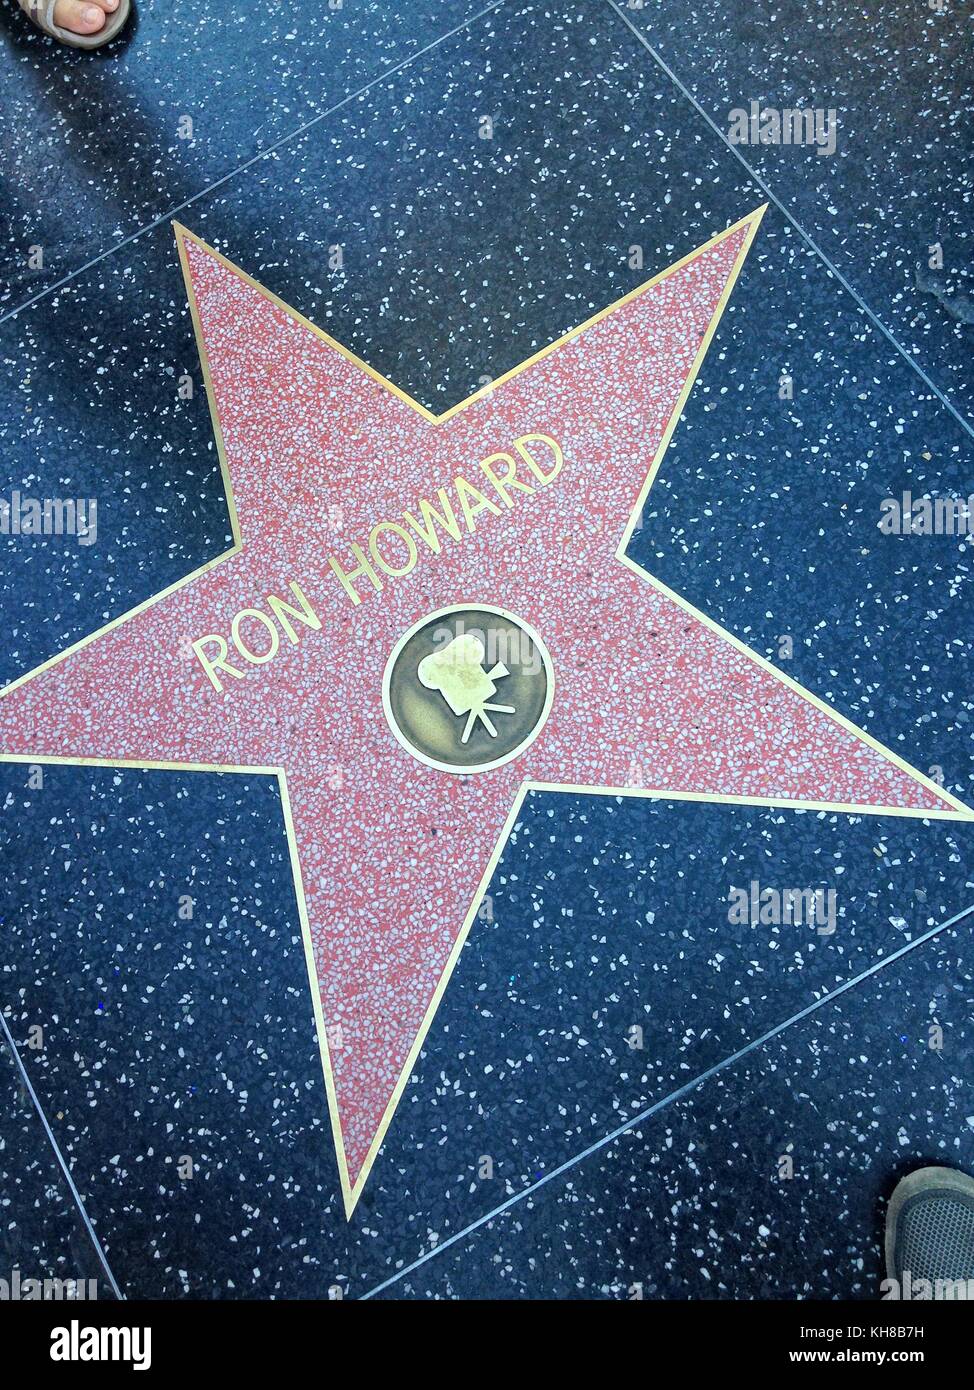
170	1039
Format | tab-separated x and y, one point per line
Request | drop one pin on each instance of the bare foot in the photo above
83	16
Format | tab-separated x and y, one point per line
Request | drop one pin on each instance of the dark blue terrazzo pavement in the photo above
109	148
42	1232
769	1181
899	182
168	1038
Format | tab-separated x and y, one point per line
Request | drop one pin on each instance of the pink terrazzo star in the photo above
390	854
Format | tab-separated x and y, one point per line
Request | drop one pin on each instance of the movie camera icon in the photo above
457	672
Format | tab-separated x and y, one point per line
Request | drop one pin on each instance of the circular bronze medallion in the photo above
468	688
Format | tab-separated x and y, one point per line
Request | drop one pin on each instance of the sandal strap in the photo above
41	14
48	22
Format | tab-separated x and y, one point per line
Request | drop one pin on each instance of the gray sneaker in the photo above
930	1234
